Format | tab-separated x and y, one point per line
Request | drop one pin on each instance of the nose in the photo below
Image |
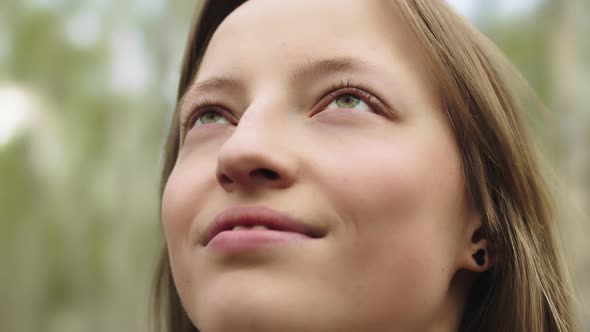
255	157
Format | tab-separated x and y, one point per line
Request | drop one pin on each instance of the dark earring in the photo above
479	257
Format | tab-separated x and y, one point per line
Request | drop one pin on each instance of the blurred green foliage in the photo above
79	226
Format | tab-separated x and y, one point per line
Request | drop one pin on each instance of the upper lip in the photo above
251	216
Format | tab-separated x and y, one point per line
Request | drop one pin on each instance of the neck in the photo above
451	312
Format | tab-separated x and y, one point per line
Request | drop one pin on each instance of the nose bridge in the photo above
255	155
254	135
258	129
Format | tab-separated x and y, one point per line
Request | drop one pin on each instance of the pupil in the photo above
349	100
210	116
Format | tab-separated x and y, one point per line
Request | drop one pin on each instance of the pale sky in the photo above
16	107
504	7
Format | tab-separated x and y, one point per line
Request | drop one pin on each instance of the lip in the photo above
280	227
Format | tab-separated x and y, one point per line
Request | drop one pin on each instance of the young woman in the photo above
355	165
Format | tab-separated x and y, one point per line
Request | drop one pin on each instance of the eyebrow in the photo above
311	69
303	72
210	84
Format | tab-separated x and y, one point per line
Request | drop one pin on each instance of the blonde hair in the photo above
528	289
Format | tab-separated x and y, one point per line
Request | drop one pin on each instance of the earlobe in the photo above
478	257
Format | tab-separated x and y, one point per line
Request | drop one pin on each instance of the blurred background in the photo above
87	88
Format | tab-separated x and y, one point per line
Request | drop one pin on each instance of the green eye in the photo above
211	117
349	101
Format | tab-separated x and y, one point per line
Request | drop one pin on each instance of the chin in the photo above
244	306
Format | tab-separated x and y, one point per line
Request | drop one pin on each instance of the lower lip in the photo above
248	239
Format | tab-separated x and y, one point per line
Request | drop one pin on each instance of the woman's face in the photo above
323	111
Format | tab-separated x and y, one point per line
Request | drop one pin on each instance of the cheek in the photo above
175	209
400	202
183	199
192	180
185	195
412	195
407	181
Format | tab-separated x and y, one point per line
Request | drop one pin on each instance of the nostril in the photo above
265	173
225	179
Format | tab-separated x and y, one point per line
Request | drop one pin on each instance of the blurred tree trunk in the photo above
567	86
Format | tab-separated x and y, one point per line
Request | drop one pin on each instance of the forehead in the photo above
287	31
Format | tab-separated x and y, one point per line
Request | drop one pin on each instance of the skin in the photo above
382	177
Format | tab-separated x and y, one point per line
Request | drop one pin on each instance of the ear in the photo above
477	254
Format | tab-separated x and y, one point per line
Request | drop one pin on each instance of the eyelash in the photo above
348	87
199	108
334	91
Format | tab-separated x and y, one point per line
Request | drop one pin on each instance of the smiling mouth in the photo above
243	228
236	241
